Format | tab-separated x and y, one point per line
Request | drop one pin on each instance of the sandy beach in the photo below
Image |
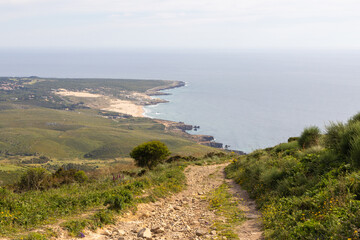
127	107
105	103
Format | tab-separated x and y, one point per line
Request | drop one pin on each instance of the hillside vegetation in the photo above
78	137
308	188
63	195
39	128
80	134
36	91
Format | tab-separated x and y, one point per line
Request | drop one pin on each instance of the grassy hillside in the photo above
308	188
80	137
73	134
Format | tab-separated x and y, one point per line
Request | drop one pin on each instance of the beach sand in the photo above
127	107
106	103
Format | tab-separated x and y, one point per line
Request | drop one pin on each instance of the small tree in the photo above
150	154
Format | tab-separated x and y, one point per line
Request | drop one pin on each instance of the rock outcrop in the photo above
180	128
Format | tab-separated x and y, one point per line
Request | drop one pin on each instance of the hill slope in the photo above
308	188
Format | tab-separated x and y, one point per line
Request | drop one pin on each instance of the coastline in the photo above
156	91
180	128
133	104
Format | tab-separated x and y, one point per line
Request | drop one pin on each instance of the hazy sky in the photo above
218	24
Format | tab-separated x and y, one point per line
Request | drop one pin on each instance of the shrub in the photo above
150	154
287	148
351	131
62	176
75	227
119	200
80	176
355	118
309	137
40	179
34	179
333	135
355	152
102	218
271	176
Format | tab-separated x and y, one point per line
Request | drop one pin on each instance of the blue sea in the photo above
247	99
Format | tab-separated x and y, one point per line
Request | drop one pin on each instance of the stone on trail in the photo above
200	232
106	232
144	233
145	215
121	232
158	229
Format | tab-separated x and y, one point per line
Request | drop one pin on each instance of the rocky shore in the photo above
181	128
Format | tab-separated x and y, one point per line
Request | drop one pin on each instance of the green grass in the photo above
72	134
33	236
22	211
225	207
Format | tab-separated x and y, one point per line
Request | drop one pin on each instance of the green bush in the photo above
351	132
40	179
333	135
102	218
119	200
355	118
287	148
271	176
80	176
75	227
150	154
34	179
355	152
309	137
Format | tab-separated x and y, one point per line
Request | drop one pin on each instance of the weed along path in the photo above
208	208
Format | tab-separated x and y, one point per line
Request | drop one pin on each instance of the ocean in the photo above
246	99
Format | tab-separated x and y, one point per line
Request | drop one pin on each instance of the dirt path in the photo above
185	215
251	229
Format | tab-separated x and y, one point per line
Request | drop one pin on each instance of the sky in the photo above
190	24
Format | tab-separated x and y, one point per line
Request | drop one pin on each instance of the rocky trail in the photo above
185	215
